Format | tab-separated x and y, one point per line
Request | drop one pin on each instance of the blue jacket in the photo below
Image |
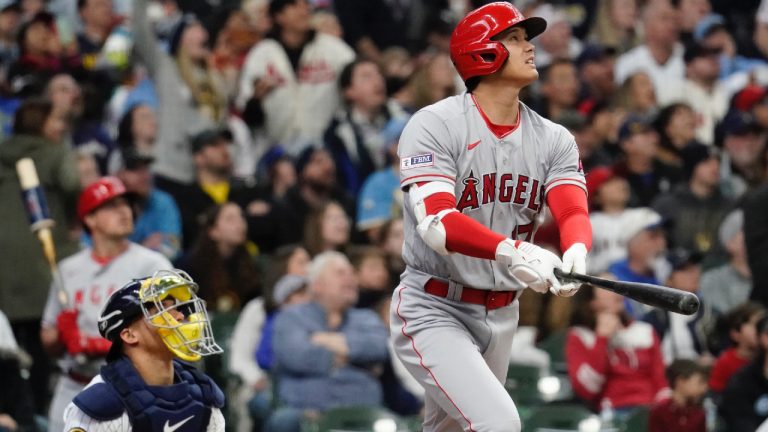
305	372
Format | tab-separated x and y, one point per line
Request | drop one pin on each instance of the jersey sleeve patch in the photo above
417	161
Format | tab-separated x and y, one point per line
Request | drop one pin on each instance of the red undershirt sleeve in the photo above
568	204
463	234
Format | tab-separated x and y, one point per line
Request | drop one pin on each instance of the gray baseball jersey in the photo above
459	351
88	283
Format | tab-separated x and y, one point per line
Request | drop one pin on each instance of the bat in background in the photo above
666	298
39	219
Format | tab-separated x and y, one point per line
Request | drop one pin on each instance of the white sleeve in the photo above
52	307
76	420
253	68
245	340
761	17
216	423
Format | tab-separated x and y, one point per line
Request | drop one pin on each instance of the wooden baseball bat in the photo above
666	298
40	221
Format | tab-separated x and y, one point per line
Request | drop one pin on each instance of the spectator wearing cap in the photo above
615	25
730	284
316	185
23	293
645	243
558	41
744	164
660	55
380	198
191	97
158	222
647	175
214	185
289	290
676	126
608	194
702	90
560	89
743	406
695	208
712	32
326	351
690	337
354	136
288	85
595	69
753	99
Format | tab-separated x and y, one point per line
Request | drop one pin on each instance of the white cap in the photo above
636	220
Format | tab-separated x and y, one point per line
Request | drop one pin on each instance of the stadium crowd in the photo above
255	142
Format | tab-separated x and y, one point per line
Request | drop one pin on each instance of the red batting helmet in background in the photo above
472	38
97	193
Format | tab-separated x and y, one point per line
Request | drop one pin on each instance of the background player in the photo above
89	277
477	169
150	321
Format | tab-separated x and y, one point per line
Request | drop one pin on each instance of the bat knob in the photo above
689	304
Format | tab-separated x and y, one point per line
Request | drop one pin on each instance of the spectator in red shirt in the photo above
683	411
742	329
610	356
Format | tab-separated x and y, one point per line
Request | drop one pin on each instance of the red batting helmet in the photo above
97	193
474	52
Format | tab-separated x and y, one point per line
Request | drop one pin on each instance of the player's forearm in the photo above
463	234
568	204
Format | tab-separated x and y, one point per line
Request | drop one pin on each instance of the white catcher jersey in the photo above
89	283
499	181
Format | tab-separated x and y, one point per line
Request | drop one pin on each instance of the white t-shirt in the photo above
667	78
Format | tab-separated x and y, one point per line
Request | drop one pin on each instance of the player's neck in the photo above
500	106
154	370
108	248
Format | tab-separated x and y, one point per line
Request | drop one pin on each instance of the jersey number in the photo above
523	232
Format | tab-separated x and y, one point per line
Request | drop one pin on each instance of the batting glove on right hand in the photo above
532	265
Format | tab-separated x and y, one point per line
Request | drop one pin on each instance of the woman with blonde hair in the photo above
614	25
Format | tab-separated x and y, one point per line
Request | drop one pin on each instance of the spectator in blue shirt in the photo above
327	353
642	228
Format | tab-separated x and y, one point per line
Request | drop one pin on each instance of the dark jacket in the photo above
24	275
756	238
745	401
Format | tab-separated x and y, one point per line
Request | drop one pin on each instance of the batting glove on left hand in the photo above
574	261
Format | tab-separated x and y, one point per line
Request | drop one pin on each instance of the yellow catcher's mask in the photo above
165	298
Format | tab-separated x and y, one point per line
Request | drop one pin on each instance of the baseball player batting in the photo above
477	169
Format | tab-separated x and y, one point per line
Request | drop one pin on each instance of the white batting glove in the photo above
574	261
529	263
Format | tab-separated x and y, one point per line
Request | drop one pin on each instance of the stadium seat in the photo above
361	419
554	345
561	418
523	384
637	421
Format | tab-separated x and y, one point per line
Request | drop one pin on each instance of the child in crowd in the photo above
683	412
742	329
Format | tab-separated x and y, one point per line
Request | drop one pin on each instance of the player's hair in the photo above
684	368
743	313
472	83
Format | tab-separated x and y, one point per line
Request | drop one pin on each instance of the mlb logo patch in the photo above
417	161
